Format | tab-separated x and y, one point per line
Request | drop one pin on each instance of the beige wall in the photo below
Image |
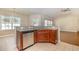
24	20
67	23
6	32
78	24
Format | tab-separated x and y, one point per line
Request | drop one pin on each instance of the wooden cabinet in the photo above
25	40
19	40
42	36
46	36
53	36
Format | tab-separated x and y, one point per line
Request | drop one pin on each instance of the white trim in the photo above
69	30
7	35
59	35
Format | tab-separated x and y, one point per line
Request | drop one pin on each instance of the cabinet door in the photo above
35	36
53	36
43	36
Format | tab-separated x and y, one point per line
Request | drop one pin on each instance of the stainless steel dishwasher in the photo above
28	39
24	37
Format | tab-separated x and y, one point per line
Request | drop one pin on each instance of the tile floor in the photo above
8	43
62	46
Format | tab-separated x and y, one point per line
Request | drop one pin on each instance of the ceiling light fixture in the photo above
66	10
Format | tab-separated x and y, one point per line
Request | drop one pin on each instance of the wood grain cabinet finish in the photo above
46	36
42	36
53	36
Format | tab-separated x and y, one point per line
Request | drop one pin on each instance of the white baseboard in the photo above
7	35
69	31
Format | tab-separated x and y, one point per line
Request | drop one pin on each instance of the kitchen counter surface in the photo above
25	29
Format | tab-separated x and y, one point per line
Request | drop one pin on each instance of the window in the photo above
48	23
9	22
35	20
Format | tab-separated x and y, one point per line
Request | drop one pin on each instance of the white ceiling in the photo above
45	11
52	12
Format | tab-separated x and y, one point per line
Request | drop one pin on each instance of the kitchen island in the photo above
28	36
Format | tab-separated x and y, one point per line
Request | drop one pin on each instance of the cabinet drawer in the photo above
43	30
43	36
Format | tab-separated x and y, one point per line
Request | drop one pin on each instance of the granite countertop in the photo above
28	29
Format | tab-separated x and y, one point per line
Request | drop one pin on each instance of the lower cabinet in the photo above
46	36
27	39
42	36
53	34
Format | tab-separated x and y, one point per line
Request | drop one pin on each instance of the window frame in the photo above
9	25
48	22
